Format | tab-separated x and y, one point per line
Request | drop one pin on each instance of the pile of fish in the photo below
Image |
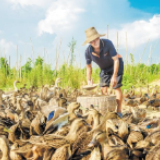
50	125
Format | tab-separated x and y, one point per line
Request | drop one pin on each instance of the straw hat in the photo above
92	34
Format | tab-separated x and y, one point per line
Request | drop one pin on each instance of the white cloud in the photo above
6	47
23	3
138	32
61	15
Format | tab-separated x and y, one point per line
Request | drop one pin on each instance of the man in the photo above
103	52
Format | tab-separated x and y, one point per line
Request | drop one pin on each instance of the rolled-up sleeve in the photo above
88	57
112	50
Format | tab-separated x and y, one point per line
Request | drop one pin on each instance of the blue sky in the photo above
51	24
146	6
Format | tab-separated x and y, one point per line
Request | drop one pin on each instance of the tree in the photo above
39	62
4	65
27	67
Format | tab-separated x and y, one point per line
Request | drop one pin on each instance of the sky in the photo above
35	27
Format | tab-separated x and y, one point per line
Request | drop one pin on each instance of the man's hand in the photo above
90	82
113	81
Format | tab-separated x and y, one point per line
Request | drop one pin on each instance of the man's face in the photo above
95	43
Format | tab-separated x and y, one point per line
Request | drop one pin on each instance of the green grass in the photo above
38	74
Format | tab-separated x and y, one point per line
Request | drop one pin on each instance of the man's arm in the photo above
89	73
89	66
116	67
114	55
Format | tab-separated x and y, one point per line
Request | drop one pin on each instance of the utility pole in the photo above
20	68
126	52
117	42
107	31
43	59
17	64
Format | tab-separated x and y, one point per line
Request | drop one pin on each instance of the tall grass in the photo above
72	75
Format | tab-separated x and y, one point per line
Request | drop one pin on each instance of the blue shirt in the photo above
104	59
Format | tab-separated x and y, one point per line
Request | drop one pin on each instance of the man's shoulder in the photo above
106	41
